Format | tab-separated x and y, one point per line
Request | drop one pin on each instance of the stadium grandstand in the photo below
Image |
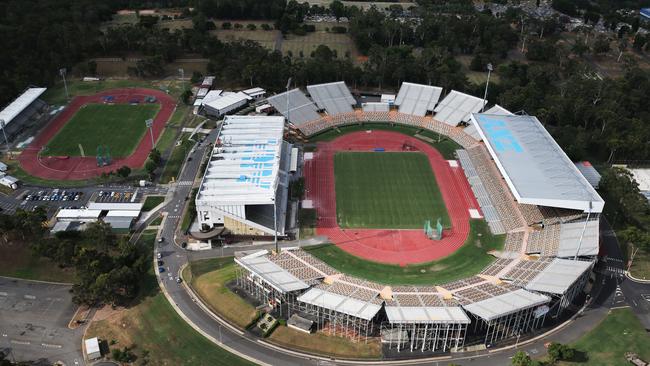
334	98
244	188
417	99
19	114
295	106
525	185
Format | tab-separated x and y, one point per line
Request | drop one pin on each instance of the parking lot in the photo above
34	320
117	196
53	195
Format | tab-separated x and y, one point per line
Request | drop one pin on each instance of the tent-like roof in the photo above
342	304
505	304
570	234
417	99
301	109
19	104
457	107
335	97
426	314
534	166
270	272
245	163
558	276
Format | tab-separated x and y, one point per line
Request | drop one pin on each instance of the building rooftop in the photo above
335	97
426	314
508	303
558	276
457	107
245	161
536	169
301	109
19	104
417	99
340	303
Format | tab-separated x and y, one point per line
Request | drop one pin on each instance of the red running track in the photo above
389	246
76	167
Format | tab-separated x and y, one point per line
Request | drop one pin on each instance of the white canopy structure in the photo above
342	304
259	265
502	305
417	99
19	104
536	169
335	98
558	276
579	238
301	109
426	314
457	107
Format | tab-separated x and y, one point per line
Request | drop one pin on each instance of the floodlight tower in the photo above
487	82
2	125
182	72
288	86
62	72
149	124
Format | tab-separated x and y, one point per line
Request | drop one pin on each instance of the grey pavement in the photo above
34	319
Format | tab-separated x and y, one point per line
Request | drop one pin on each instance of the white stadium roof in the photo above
342	304
558	276
225	101
244	169
570	234
496	109
19	104
301	109
508	303
536	169
270	272
417	99
335	97
376	107
457	107
426	314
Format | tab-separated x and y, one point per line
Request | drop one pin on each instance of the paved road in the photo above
34	319
604	296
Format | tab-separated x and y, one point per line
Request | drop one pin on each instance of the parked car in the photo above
161	269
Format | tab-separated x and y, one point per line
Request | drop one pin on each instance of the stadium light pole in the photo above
582	235
182	72
288	86
275	227
487	82
62	72
2	125
149	124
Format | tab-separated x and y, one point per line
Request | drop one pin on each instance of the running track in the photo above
76	167
388	246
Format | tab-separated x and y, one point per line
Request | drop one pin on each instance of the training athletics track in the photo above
76	167
388	246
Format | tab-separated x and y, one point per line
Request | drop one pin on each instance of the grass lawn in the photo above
209	278
152	325
119	126
470	259
387	190
324	344
173	166
445	146
606	344
18	261
157	221
641	265
151	202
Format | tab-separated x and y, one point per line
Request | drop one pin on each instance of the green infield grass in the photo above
118	126
469	260
386	190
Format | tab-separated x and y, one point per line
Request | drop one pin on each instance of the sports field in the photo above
118	126
386	190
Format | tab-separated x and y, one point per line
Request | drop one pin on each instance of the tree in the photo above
601	45
521	359
186	97
124	171
100	234
337	8
251	27
155	156
266	27
238	26
226	25
150	166
196	77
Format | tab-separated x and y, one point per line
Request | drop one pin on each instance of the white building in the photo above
225	104
255	93
92	348
3	167
245	185
9	181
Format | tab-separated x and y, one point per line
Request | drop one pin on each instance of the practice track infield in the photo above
120	127
388	245
34	161
386	190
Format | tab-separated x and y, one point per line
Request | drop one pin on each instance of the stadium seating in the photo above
526	270
545	241
514	241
